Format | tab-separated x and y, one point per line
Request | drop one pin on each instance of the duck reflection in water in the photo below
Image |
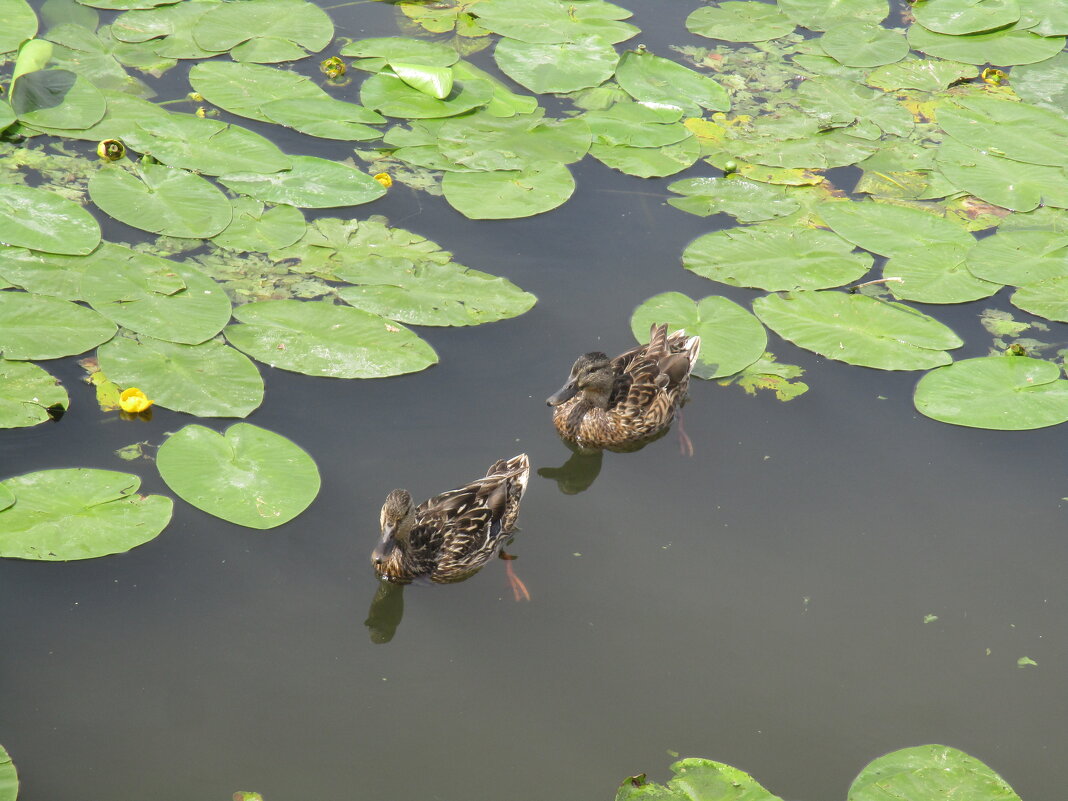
387	609
452	536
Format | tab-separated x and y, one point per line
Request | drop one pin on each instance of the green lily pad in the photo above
507	194
7	115
42	220
939	770
311	183
1020	258
190	316
388	49
206	380
124	112
325	118
9	777
302	25
731	337
79	513
206	146
391	96
1045	17
1044	84
27	393
936	273
819	15
318	338
857	329
7	497
249	475
798	142
636	125
776	258
550	21
863	44
169	29
836	102
697	780
1004	47
1047	299
557	66
504	102
930	75
651	79
40	327
1013	130
20	24
253	229
890	230
160	199
958	17
486	142
56	98
746	201
649	162
747	21
436	82
244	89
1001	181
433	294
1008	393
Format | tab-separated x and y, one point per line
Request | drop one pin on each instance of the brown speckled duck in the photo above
453	535
621	404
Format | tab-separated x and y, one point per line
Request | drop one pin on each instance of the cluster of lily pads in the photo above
922	773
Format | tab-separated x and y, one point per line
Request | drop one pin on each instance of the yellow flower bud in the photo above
133	400
384	179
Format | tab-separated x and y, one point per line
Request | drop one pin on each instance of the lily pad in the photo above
244	89
1045	17
388	94
746	21
958	17
1044	84
311	183
20	24
551	21
27	393
303	25
697	780
649	162
160	199
636	125
1004	47
387	49
936	273
79	513
325	118
889	230
319	338
1020	258
746	201
836	102
731	337
9	777
557	66
1001	181
930	75
249	475
42	220
40	327
651	79
206	380
1047	299
858	329
1008	393
56	98
863	44
254	229
819	15
1016	131
776	258
941	772
507	194
486	142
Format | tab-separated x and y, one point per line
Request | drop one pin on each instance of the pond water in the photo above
762	603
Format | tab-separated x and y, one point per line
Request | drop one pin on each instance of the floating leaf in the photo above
863	44
776	258
1047	299
731	337
20	24
434	294
42	220
161	199
636	125
253	229
557	66
506	194
485	142
244	89
39	327
207	380
958	17
889	230
936	273
746	201
930	75
1020	258
57	98
1001	181
1013	130
311	183
747	21
858	329
697	780
9	778
249	475
550	21
27	394
819	15
433	81
325	117
387	49
649	162
929	771
1044	84
79	513
391	96
1009	393
318	338
301	25
652	79
1004	47
838	102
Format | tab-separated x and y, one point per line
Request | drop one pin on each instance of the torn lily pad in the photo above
29	395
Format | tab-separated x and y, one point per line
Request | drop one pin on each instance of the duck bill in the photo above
562	395
386	544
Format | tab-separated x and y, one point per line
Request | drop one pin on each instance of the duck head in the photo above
592	377
397	519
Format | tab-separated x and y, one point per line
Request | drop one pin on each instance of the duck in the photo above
624	403
453	535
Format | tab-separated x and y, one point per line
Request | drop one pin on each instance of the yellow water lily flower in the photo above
333	67
111	150
133	400
384	179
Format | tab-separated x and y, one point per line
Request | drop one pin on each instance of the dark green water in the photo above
761	603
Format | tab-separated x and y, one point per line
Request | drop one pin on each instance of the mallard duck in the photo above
621	404
453	535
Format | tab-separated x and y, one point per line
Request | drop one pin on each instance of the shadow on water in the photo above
387	609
